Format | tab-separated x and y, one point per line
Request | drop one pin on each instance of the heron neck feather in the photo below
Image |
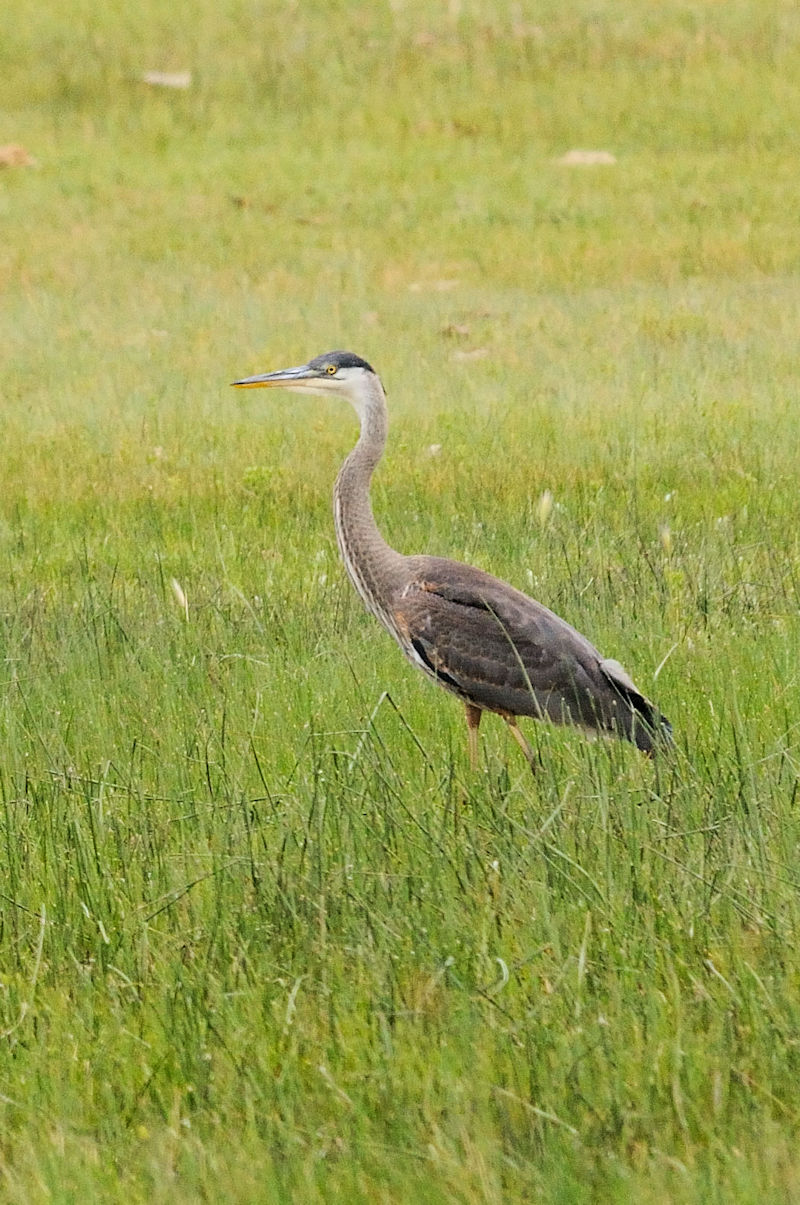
373	566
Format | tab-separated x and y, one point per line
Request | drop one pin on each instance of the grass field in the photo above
262	935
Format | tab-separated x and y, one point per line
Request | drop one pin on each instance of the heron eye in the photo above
330	369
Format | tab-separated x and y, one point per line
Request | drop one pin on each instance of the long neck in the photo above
374	567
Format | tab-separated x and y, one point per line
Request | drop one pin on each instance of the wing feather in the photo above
501	650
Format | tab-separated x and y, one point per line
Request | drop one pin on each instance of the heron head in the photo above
335	372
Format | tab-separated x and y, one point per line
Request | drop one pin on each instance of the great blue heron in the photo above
478	637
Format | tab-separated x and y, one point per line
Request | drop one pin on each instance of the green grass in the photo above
262	935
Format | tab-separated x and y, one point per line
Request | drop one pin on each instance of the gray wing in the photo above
501	650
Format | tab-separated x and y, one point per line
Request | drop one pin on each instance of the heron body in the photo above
491	645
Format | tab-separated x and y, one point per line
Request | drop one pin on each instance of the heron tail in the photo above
641	722
650	730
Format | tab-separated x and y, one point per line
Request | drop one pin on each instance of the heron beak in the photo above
285	377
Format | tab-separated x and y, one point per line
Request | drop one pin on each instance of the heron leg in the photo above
511	720
473	723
